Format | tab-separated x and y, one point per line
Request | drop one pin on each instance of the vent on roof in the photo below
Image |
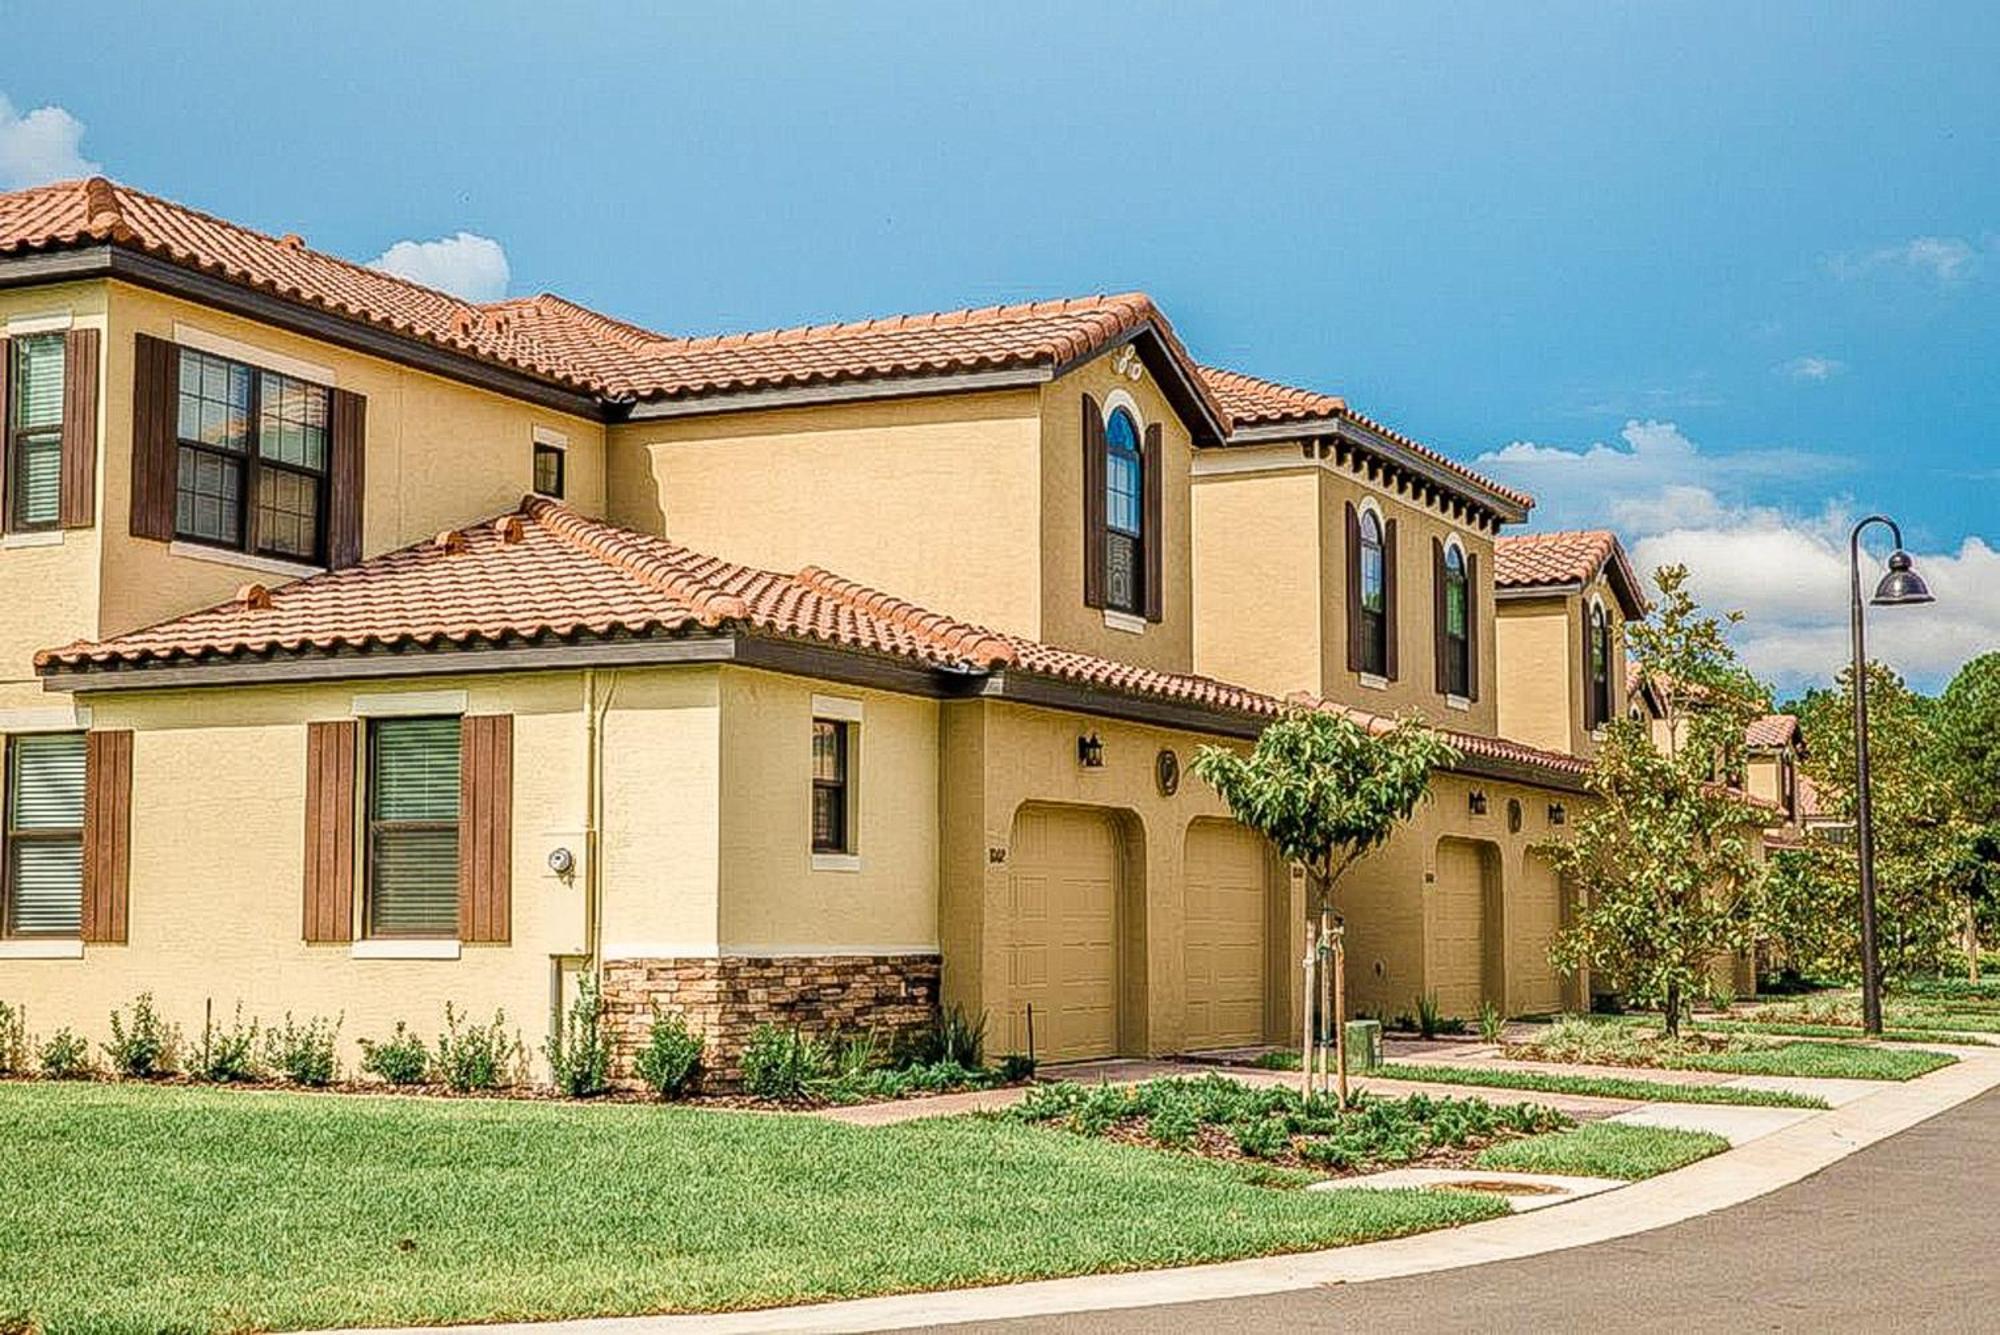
292	241
451	542
509	528
254	597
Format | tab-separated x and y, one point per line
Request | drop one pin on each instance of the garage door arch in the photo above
1462	937
1229	925
1074	933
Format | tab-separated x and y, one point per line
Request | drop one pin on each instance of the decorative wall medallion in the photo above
1167	770
1126	362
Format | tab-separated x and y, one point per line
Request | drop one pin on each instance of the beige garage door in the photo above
1226	935
1536	917
1063	907
1458	929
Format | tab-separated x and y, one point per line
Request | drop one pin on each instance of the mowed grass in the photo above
1843	1061
1605	1149
1605	1087
131	1208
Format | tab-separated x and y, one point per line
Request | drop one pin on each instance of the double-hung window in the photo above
44	834
1374	597
253	453
34	432
549	470
1457	625
1124	515
413	808
832	807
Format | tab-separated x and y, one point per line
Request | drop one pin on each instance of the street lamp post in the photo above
1902	586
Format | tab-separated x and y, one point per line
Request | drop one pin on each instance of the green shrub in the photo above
1491	1022
65	1057
783	1064
401	1059
145	1047
476	1057
13	1040
579	1051
670	1063
855	1057
1016	1067
1174	1124
304	1053
953	1037
1265	1138
1427	1015
228	1056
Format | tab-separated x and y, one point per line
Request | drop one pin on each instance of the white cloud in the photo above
1784	568
465	265
1948	259
44	145
1812	369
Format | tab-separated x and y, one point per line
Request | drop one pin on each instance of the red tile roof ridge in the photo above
654	562
1126	308
633	337
974	644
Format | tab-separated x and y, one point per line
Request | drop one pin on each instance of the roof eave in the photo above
1340	425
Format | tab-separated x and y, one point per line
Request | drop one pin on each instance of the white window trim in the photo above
404	948
1124	621
34	537
1119	398
223	556
42	948
407	704
836	708
54	718
547	435
58	322
1457	702
258	358
838	862
1373	682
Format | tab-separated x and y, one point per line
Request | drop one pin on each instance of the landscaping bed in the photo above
1215	1117
1604	1149
1623	1043
144	1208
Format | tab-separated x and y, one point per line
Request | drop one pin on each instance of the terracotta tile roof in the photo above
1550	560
545	571
1772	732
1254	402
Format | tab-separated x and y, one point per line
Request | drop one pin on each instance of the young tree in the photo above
1325	790
1966	734
1664	856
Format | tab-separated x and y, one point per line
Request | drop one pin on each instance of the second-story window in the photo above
1124	515
253	459
34	431
1457	625
1597	670
1374	635
549	470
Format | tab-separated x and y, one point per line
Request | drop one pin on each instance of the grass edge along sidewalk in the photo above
319	1211
1595	1086
1604	1149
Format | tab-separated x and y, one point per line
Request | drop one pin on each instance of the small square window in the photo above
832	794
549	470
43	872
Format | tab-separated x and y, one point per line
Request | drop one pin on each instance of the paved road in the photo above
1904	1235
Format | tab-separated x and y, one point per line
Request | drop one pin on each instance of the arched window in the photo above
1597	674
1457	624
1374	597
1124	514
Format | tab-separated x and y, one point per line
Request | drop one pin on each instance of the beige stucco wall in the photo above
1541	666
1116	377
662	819
936	499
776	898
1258	606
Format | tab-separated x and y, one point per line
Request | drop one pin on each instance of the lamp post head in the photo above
1902	586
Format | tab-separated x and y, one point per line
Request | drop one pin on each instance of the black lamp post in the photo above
1902	586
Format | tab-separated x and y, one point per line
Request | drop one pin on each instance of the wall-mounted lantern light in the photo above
1477	802
1090	751
1557	814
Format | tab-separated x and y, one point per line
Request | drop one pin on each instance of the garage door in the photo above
1536	916
1063	909
1458	929
1226	935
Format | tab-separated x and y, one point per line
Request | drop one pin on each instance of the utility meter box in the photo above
1364	1045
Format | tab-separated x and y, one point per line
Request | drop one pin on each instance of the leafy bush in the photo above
1427	1015
1016	1067
579	1051
304	1053
902	1081
475	1057
670	1063
228	1056
401	1059
13	1040
1491	1022
146	1047
783	1064
65	1056
953	1037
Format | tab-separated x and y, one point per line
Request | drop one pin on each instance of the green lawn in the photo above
132	1208
1848	1061
1604	1149
1607	1087
1913	1032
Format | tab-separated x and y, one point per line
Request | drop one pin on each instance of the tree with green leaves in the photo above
1966	738
1665	856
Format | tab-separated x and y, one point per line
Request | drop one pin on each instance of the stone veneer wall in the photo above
725	999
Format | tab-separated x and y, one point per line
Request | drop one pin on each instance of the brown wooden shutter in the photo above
107	834
1392	631
346	478
6	429
1353	560
156	369
1093	504
486	828
1471	626
79	429
1152	523
332	752
1440	612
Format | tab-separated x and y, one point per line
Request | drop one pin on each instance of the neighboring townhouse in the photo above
1562	601
1774	749
820	676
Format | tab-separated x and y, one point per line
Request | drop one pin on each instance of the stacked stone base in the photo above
724	1000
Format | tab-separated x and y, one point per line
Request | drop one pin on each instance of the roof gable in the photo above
1551	562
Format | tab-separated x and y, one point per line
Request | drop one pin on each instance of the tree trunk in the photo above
1674	1010
1971	939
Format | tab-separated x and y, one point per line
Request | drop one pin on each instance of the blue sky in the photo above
1723	276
